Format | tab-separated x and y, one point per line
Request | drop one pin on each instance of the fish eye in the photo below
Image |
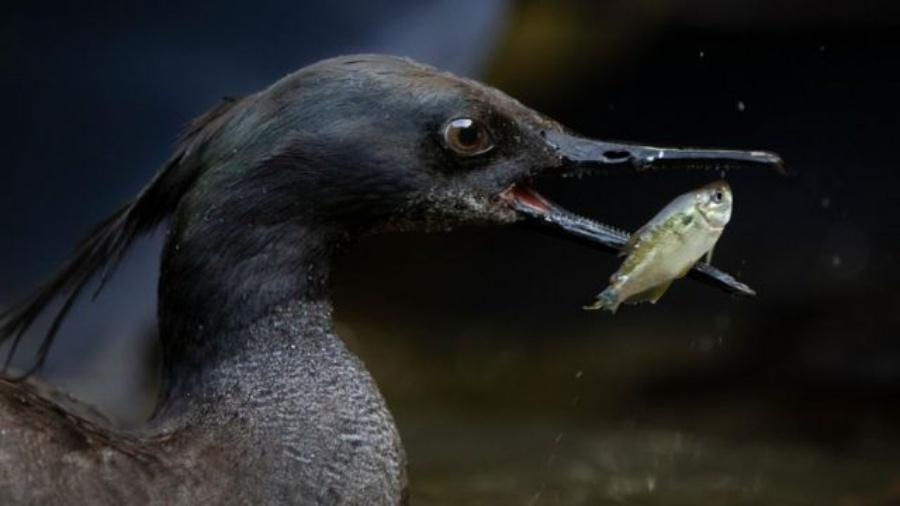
718	196
467	137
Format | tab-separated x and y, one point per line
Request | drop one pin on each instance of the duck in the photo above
261	402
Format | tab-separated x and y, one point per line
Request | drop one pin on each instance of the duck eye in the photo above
467	137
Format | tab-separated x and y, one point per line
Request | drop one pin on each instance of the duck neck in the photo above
250	358
243	314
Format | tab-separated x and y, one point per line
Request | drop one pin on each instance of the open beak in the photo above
577	154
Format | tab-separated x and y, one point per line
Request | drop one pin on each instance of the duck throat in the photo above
235	304
254	372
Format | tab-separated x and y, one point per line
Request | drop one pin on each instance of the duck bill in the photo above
577	155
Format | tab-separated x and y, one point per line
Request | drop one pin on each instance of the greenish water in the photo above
458	460
627	414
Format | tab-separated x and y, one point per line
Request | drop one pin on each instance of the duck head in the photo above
370	143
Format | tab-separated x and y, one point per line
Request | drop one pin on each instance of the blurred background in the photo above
505	391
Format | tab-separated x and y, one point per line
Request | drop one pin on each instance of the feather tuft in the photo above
105	245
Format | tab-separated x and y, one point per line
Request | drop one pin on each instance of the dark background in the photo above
486	323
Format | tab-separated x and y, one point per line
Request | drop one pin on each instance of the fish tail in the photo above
608	299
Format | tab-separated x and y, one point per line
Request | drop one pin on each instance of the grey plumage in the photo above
260	429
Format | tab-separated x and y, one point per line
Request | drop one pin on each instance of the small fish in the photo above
668	246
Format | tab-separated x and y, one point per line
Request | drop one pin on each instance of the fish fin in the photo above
651	295
608	299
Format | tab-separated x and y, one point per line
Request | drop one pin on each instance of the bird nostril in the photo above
616	156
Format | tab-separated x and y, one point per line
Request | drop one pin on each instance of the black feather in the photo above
105	245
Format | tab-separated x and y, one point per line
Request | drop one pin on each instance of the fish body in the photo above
668	246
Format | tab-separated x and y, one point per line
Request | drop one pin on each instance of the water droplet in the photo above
846	251
702	54
705	344
741	106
